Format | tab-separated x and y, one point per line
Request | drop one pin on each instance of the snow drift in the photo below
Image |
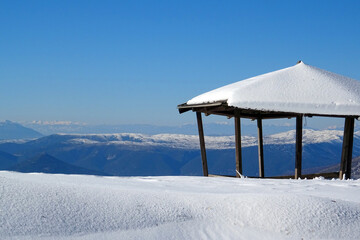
43	206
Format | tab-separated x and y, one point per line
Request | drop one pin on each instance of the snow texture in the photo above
299	89
44	206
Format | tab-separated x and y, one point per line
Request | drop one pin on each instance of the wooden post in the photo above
351	141
202	144
346	155
260	148
298	147
344	147
238	147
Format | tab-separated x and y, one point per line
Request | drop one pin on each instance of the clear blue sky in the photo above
134	61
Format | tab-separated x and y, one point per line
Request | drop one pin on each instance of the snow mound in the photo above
301	89
44	206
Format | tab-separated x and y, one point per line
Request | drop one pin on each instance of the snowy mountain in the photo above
175	154
212	129
10	130
48	206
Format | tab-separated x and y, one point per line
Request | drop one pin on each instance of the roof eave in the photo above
222	108
187	107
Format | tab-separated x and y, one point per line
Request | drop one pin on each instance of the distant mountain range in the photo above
225	128
211	129
11	130
355	170
170	154
7	160
47	164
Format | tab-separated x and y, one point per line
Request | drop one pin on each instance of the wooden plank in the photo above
214	175
260	148
329	175
298	147
238	157
185	105
346	154
309	176
202	143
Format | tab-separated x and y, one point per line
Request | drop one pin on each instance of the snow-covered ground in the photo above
44	206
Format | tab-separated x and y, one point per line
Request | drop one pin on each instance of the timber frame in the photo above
222	108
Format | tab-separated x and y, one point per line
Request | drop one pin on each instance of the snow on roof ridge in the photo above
300	88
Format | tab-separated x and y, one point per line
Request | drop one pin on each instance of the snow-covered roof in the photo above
300	89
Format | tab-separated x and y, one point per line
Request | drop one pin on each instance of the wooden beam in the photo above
202	144
329	175
298	147
309	176
238	157
260	148
214	175
346	154
222	108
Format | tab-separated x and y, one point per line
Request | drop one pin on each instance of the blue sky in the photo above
121	62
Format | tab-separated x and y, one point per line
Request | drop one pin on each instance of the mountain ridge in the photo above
179	154
11	131
46	163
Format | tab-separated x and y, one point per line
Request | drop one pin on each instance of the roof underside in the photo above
221	108
289	92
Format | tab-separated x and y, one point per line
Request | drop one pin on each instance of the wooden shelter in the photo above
295	92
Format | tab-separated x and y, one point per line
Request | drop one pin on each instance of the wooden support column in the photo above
346	155
238	146
298	147
260	148
351	141
202	144
344	150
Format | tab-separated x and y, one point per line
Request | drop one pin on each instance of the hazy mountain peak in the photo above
12	130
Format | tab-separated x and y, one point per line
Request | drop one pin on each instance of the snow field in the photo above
45	206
